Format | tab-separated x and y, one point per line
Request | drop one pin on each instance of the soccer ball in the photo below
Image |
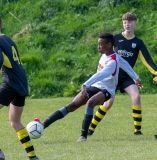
35	129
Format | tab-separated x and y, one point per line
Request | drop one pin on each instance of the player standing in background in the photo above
13	91
100	91
129	47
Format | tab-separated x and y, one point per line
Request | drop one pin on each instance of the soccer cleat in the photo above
35	158
138	133
155	136
90	132
2	157
82	139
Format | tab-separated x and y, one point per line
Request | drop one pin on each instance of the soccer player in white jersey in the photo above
105	79
129	47
103	89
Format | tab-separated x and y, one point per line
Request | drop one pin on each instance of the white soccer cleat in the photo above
82	139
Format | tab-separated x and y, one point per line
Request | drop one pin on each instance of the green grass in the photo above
112	140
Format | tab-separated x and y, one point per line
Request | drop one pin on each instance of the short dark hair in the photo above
108	38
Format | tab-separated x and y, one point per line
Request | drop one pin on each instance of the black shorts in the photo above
124	81
93	90
9	95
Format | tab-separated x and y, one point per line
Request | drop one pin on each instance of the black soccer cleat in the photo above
155	136
35	158
138	133
90	132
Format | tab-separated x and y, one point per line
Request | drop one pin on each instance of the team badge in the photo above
133	45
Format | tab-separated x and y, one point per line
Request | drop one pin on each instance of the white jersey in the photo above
107	73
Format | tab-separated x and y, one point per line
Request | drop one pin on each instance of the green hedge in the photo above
57	40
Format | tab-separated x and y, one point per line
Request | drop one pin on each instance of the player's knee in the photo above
71	107
15	125
91	102
108	104
137	97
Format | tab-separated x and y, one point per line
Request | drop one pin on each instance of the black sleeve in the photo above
1	59
146	58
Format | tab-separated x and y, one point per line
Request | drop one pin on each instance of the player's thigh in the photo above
96	99
124	83
132	90
15	113
99	98
16	108
77	102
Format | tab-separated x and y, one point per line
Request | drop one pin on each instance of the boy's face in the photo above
103	47
129	25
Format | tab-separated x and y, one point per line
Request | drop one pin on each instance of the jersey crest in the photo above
133	45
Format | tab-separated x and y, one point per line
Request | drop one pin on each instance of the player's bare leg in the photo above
15	117
15	121
133	92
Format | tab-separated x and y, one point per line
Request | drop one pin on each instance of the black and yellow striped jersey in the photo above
131	49
12	70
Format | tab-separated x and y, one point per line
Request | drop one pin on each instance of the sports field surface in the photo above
113	138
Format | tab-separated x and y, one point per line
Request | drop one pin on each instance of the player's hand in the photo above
83	91
155	80
138	82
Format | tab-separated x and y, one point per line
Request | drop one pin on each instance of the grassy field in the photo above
112	140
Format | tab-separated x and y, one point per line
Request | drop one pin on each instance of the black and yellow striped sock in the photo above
137	116
26	142
97	118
